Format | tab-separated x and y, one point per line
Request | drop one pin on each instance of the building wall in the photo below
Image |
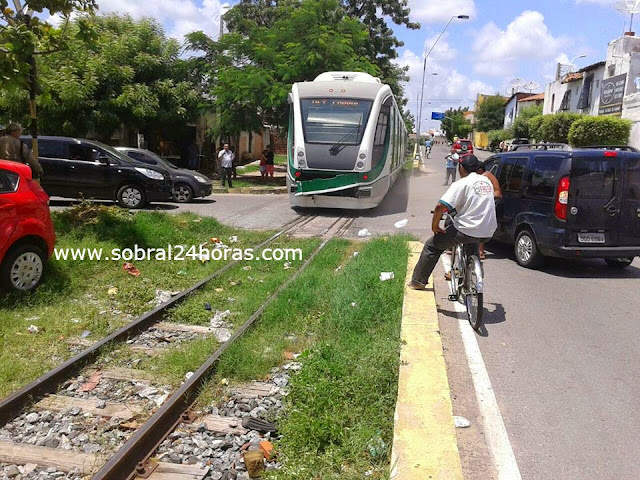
554	93
510	112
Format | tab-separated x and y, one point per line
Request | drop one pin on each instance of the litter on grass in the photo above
233	239
33	329
384	276
131	270
401	223
287	265
112	291
355	254
364	233
85	334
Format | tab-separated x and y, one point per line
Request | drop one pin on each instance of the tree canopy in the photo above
490	114
250	74
23	34
132	74
520	126
455	125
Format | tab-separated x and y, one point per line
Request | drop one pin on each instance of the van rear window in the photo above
545	174
595	177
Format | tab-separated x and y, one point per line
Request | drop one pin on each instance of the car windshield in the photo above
119	155
159	159
335	120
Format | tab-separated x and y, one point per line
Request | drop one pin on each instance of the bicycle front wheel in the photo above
473	297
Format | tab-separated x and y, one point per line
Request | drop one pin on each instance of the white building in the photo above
577	92
512	109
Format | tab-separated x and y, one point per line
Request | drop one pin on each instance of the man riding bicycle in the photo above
471	200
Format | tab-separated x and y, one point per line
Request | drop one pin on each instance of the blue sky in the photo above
503	40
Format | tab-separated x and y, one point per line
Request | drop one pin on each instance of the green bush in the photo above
521	128
496	136
535	125
555	128
599	131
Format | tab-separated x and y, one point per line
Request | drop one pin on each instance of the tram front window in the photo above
335	120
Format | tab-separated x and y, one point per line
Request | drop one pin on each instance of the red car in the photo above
462	147
26	230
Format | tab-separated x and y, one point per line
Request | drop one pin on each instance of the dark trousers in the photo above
434	248
226	175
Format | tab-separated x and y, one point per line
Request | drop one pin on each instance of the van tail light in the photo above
609	153
562	199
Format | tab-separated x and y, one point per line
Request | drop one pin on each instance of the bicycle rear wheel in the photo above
473	297
456	281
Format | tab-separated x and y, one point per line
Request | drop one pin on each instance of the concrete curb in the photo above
424	441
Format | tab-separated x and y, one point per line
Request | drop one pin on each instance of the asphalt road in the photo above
560	344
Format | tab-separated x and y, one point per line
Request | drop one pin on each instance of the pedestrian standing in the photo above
263	165
12	148
226	158
452	168
270	161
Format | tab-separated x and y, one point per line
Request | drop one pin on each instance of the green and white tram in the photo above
347	141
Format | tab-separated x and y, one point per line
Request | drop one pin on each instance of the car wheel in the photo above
22	268
623	262
183	193
526	250
131	196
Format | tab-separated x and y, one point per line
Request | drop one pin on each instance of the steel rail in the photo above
12	405
127	461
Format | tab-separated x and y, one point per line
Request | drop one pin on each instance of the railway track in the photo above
135	442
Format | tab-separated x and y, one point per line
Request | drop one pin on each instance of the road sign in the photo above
437	116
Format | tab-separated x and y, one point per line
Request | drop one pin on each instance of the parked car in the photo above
559	202
26	230
462	147
517	141
187	184
79	168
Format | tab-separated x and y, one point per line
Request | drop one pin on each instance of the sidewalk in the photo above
250	181
424	444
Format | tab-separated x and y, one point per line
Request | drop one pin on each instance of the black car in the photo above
79	168
187	184
569	203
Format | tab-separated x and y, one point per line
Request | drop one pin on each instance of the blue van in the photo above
571	203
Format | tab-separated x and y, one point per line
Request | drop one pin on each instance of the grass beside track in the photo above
338	420
74	296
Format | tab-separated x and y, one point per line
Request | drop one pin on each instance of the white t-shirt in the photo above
472	198
227	158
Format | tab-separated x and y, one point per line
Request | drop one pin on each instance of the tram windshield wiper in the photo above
341	144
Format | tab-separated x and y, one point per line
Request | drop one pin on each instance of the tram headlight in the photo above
362	156
300	153
302	163
360	165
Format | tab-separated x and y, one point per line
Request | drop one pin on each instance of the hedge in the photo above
599	131
535	124
555	128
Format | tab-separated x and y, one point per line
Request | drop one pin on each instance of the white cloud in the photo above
449	88
179	17
438	11
527	39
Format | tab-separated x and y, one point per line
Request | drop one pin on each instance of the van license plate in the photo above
591	238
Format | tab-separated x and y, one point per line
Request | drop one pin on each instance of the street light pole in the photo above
424	71
417	147
571	65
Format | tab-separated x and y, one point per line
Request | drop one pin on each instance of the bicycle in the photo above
466	280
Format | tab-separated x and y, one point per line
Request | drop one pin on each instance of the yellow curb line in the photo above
424	440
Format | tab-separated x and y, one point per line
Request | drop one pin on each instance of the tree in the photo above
599	131
381	49
249	75
490	114
521	124
23	36
455	125
132	74
497	136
